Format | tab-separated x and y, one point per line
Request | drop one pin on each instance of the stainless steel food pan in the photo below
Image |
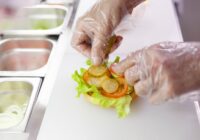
39	20
24	57
17	96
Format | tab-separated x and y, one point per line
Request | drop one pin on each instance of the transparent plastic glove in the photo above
163	71
94	29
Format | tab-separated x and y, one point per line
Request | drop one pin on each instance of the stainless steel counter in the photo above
29	55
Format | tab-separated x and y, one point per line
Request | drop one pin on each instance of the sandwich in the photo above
101	86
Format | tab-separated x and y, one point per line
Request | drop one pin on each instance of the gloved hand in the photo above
163	71
94	29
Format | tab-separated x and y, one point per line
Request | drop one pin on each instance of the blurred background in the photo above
188	12
189	16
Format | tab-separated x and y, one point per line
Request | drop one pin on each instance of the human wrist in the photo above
117	10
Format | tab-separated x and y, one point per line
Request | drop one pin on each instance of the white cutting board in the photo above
69	118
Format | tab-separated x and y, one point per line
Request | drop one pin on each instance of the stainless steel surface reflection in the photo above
40	20
24	57
36	58
197	107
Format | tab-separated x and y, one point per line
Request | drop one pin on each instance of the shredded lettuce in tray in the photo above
121	105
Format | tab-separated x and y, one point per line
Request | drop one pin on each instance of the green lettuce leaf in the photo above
121	105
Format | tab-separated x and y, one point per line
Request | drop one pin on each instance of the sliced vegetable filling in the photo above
104	87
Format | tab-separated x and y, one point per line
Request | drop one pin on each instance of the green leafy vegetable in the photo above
89	62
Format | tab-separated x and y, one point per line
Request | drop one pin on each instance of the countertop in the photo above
69	118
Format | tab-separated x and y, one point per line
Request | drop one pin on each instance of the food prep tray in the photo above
30	51
17	97
25	56
40	20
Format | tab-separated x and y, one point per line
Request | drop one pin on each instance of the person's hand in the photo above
163	71
94	29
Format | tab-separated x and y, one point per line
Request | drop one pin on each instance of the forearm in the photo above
124	7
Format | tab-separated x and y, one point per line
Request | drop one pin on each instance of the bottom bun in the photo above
91	99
